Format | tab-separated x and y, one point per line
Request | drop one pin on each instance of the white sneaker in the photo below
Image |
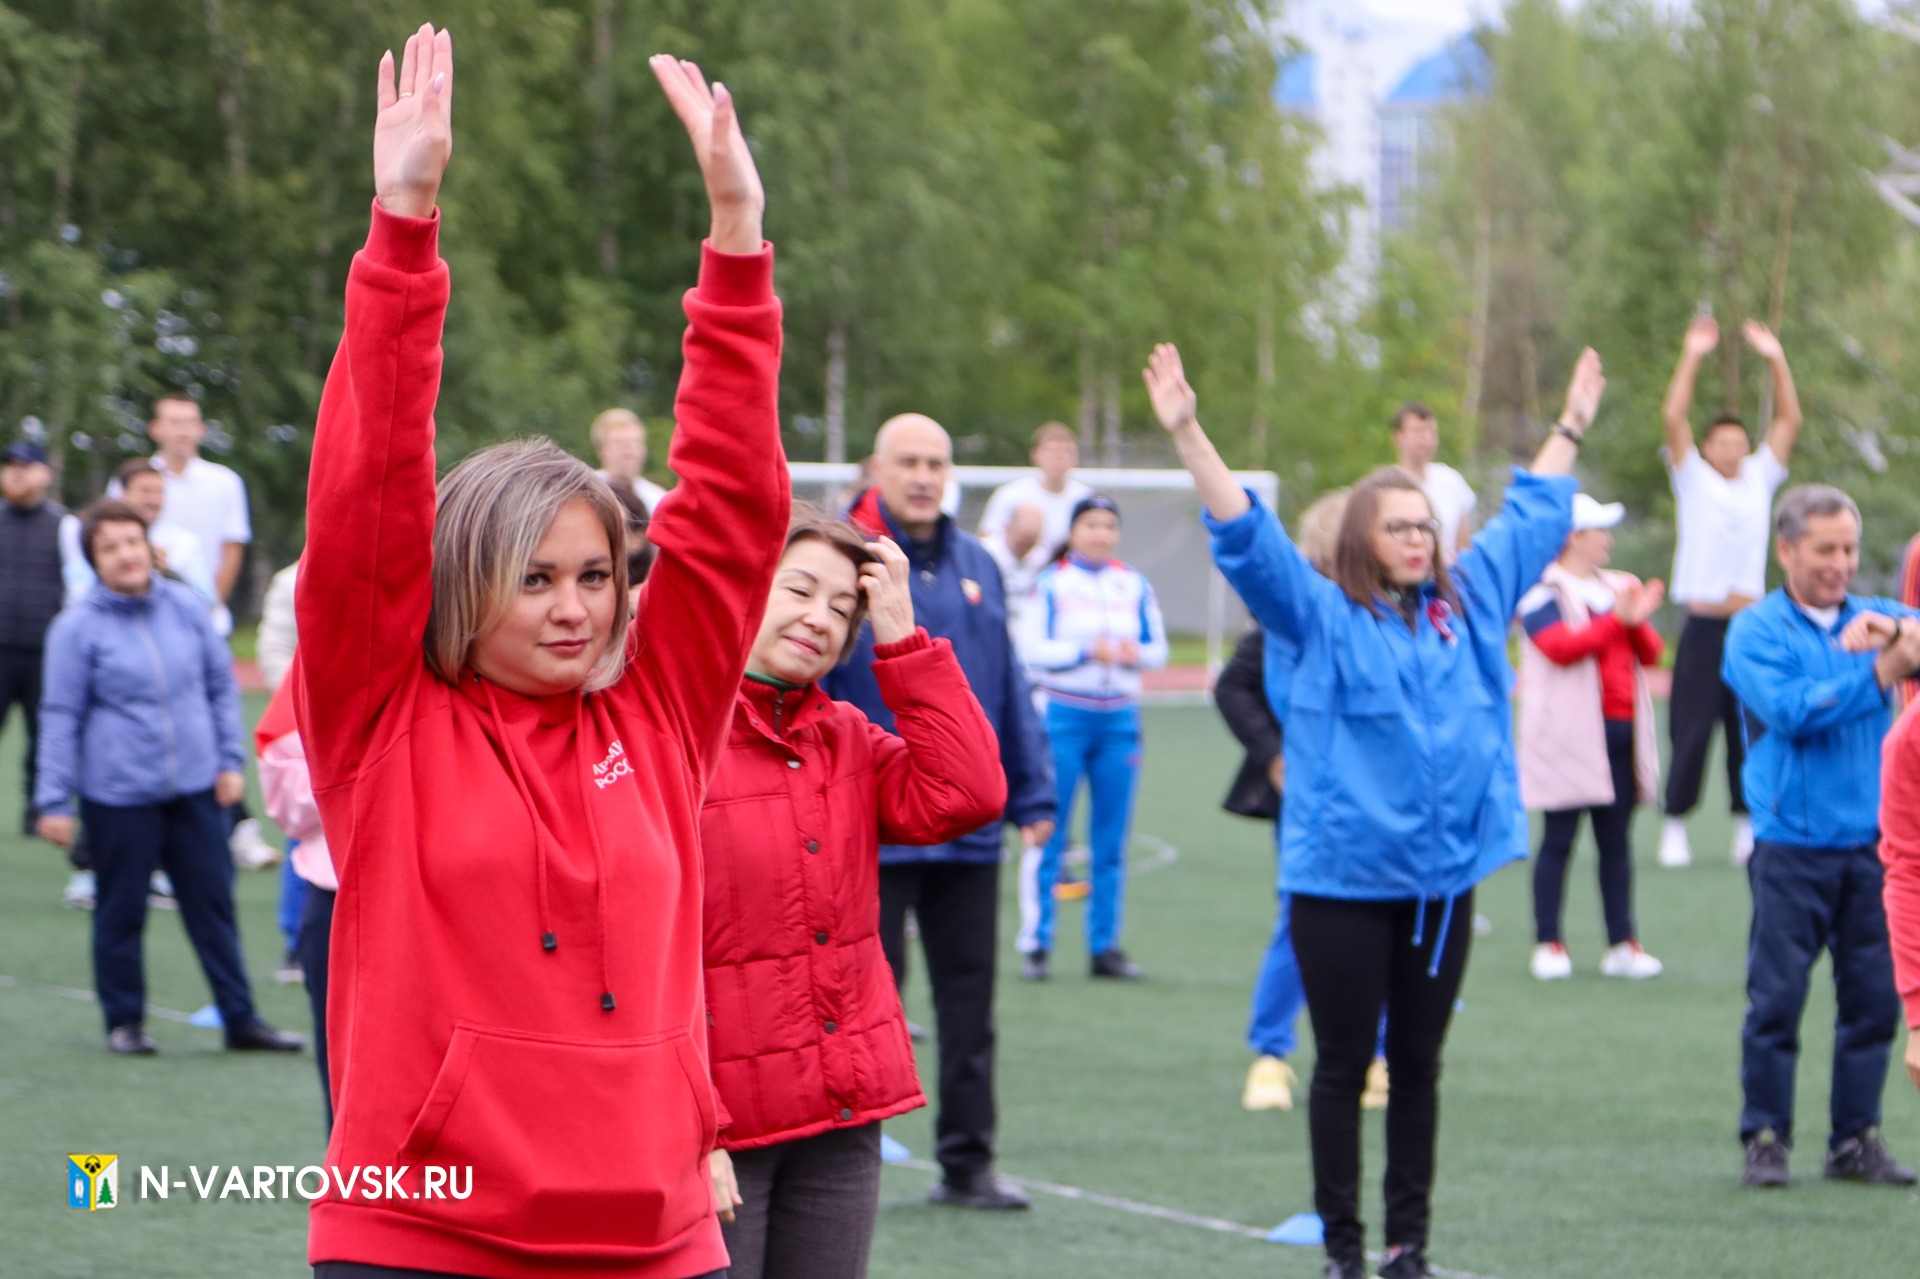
1551	962
79	892
160	892
250	849
1674	848
1742	839
1629	961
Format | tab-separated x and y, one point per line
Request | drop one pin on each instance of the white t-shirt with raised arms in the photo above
1724	526
1028	491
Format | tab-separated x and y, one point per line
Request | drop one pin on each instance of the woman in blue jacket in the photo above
1400	776
140	718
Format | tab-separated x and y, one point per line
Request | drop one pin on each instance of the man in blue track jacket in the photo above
1812	666
953	888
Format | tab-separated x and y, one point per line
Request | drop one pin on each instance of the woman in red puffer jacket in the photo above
809	1044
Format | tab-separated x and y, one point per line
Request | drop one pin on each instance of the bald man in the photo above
954	888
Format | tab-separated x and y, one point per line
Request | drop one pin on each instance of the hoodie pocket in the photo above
570	1140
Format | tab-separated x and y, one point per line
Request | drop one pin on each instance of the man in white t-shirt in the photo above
620	442
1056	451
1416	438
205	498
1723	504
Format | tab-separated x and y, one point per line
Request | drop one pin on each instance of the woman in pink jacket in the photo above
1586	739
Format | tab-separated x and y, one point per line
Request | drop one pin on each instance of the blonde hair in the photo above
1320	528
607	422
494	509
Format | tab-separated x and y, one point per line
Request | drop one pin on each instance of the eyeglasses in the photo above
1412	530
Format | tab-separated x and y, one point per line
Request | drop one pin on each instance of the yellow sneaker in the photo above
1375	1097
1270	1085
1071	890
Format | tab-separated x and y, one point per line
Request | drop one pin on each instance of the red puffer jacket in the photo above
807	1033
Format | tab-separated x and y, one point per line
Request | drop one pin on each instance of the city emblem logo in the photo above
93	1182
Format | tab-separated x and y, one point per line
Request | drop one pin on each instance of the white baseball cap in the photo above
1590	514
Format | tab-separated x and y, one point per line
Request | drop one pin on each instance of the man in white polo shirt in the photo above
1723	503
1056	451
1416	440
205	498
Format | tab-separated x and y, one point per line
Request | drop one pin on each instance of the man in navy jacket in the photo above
953	888
1812	666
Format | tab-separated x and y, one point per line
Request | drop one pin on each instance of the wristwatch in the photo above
1565	432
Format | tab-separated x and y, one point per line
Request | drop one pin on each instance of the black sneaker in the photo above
986	1190
1116	965
1767	1161
1344	1269
1034	966
1865	1159
131	1040
1406	1263
260	1037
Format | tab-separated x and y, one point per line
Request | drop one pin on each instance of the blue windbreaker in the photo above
1813	718
1399	745
138	701
958	595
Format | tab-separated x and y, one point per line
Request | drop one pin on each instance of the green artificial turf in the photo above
1587	1133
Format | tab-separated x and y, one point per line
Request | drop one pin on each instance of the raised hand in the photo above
1174	402
1761	339
1584	391
889	597
1703	335
413	135
734	194
1642	602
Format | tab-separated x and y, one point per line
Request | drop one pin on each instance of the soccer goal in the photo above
1161	534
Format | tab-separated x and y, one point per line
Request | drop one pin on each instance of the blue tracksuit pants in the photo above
1104	748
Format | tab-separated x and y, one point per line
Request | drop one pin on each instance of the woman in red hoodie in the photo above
810	1047
511	797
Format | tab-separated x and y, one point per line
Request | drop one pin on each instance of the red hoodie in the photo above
516	973
1900	854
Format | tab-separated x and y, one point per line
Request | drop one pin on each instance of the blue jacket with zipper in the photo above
138	703
1813	717
958	596
1399	742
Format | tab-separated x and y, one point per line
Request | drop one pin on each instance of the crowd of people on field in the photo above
611	810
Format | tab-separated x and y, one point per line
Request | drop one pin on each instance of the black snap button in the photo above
845	1114
832	1026
813	845
821	938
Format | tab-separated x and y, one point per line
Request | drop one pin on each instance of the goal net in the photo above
1161	534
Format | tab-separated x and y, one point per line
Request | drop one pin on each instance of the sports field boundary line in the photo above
87	997
1136	1208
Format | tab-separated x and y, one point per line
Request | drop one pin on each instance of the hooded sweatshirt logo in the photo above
615	766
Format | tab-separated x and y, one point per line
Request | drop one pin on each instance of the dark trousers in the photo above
1701	700
315	941
1355	957
958	906
187	838
1806	900
1612	830
20	686
808	1207
361	1270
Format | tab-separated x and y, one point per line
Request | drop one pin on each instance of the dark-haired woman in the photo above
140	718
1401	782
810	1047
1090	628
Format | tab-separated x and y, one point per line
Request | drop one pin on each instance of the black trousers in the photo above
958	906
1701	700
1355	957
315	944
20	686
808	1207
1612	831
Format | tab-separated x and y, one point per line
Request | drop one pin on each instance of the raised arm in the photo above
1784	431
365	587
1703	335
1177	407
719	538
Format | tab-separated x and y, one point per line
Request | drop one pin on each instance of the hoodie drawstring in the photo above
1440	938
549	941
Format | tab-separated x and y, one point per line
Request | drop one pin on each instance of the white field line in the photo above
87	997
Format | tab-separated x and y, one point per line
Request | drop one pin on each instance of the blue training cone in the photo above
207	1018
893	1152
1303	1230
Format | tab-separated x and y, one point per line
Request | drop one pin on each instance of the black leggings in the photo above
1612	831
1356	957
1700	701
